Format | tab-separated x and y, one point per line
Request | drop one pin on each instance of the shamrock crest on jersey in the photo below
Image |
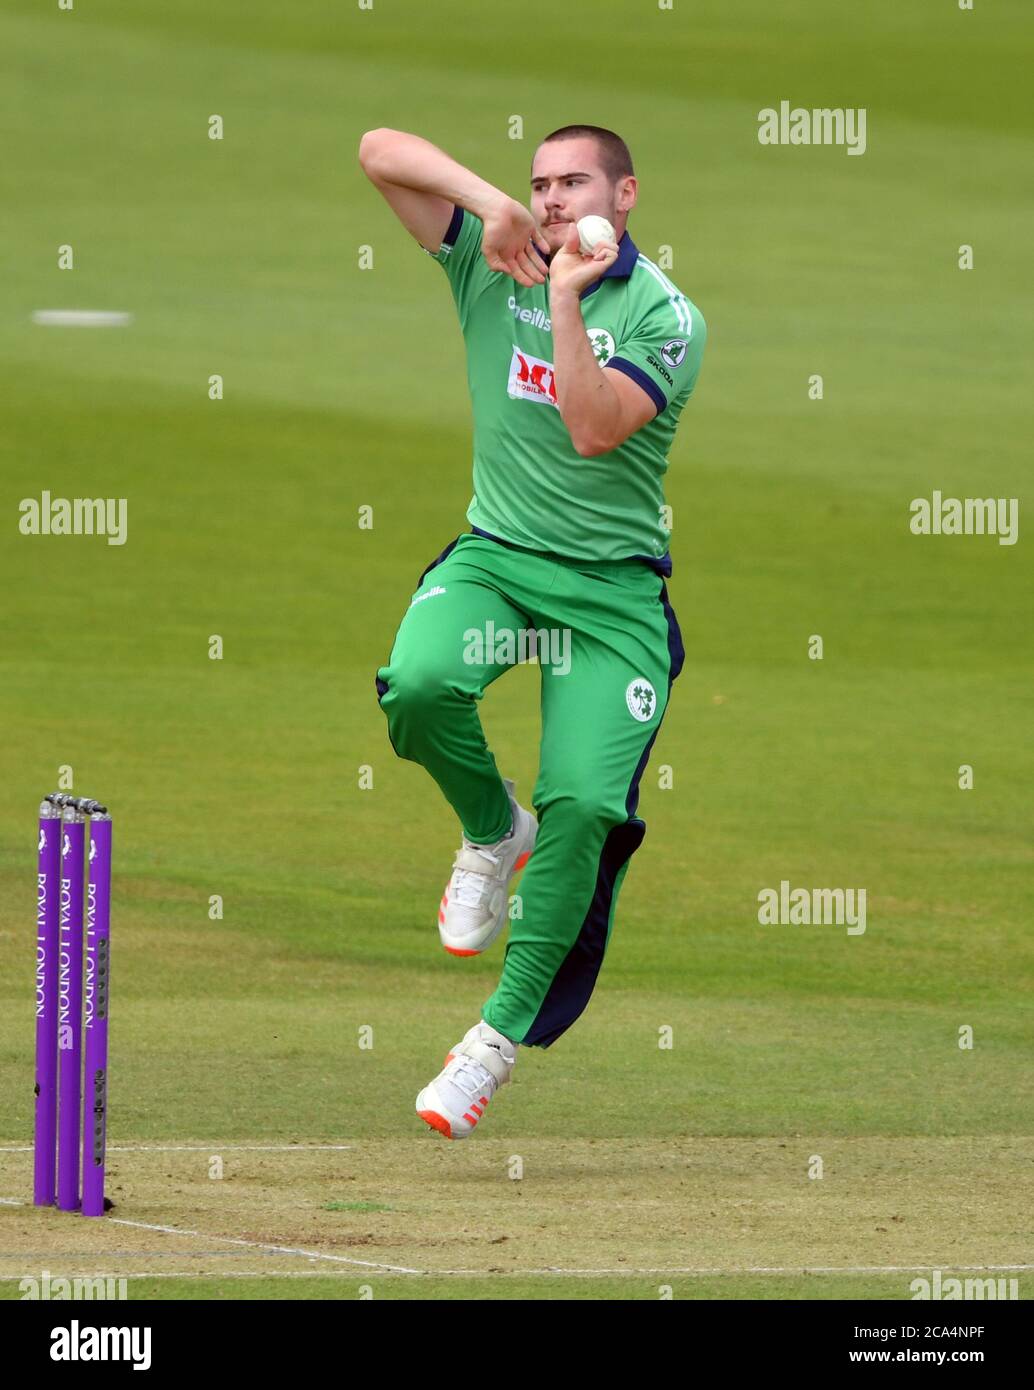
602	345
641	699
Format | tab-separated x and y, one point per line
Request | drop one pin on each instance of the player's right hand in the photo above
509	243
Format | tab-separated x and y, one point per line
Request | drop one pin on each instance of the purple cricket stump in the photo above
70	1008
48	877
95	1016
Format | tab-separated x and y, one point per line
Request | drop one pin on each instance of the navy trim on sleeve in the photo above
640	378
449	239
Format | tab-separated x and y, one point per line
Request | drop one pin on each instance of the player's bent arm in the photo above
612	411
636	409
600	406
422	184
425	215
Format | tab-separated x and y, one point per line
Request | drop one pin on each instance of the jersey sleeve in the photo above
663	350
460	257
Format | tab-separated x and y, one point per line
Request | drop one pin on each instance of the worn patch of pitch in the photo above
691	1206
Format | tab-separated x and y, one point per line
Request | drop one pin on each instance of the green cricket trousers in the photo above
608	646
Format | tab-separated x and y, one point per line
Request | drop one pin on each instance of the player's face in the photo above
567	182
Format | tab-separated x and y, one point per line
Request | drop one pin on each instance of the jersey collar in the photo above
628	254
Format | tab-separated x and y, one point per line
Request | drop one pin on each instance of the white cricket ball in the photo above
591	231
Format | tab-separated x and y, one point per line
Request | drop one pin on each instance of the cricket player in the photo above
579	366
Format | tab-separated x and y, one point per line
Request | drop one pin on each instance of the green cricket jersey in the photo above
531	487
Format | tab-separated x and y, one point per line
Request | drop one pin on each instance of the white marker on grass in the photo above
81	318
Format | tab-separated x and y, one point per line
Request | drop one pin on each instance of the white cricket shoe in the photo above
473	907
474	1070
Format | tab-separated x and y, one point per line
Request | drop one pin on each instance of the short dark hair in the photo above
614	155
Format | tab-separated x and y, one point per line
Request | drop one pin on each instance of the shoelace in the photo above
470	886
472	1077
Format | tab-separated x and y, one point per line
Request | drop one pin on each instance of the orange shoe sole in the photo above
436	1121
441	1124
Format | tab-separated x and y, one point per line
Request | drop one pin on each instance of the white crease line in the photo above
484	1274
262	1245
204	1148
235	1240
527	1273
109	1254
763	1269
220	1275
548	1272
187	1274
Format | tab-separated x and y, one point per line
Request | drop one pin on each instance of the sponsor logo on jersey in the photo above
659	369
531	379
674	351
431	593
641	699
535	317
602	345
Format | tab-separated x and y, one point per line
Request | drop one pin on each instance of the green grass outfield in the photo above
346	387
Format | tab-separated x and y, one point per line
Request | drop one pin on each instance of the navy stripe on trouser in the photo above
575	981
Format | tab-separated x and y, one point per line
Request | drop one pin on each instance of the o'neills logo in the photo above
535	317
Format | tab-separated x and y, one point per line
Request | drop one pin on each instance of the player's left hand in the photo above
570	271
